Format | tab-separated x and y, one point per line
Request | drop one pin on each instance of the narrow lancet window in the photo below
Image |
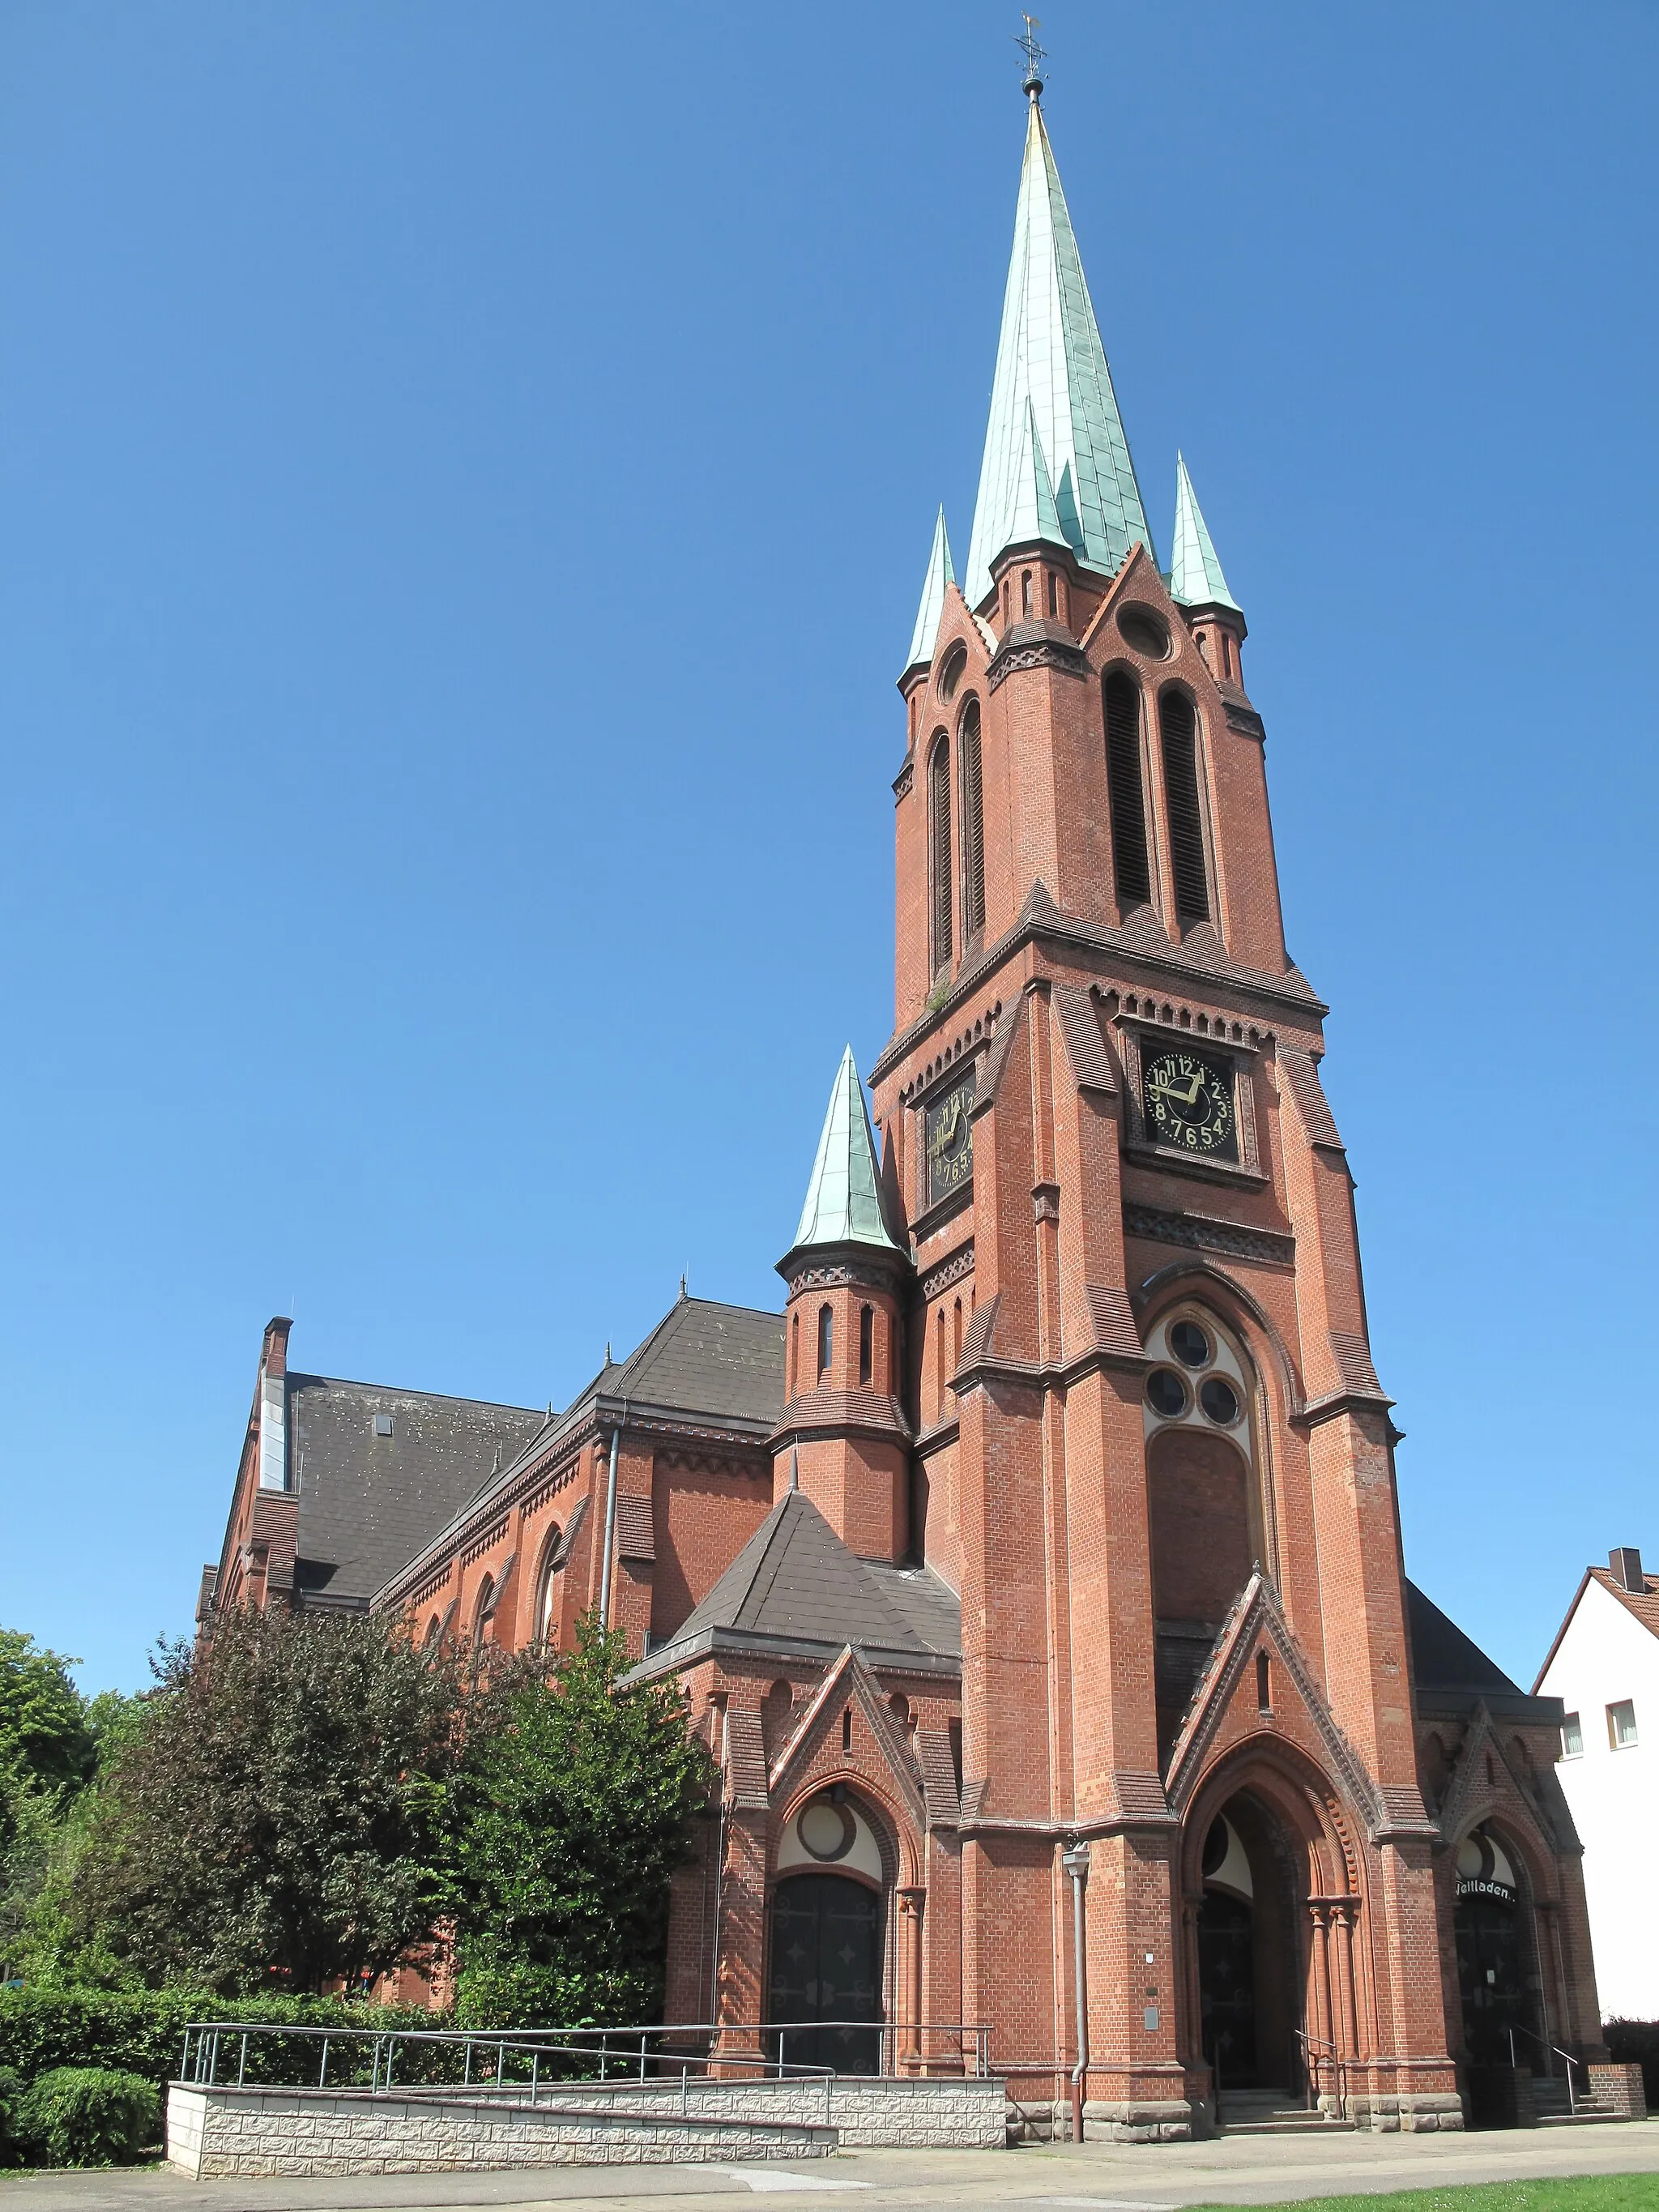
867	1345
826	1341
1135	883
973	822
1179	726
939	777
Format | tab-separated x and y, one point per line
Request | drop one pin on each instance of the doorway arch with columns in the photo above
1272	1924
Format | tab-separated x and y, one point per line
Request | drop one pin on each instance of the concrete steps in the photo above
1270	2112
1551	2107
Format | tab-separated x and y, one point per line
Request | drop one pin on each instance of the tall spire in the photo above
1049	357
939	574
843	1199
1195	577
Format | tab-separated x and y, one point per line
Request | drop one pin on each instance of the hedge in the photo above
143	2032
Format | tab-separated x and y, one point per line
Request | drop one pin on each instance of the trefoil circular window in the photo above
1166	1393
1190	1344
1219	1400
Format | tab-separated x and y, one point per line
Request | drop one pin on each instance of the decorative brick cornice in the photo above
905	777
1246	721
1041	652
848	1270
1204	1233
954	1269
841	1414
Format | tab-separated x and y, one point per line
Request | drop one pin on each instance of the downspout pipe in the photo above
1076	1863
609	1523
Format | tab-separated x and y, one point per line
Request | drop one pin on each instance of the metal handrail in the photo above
621	2053
1573	2102
1339	2068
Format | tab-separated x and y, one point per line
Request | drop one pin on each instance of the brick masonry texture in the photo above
1162	1623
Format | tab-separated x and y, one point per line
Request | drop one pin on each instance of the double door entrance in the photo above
826	1973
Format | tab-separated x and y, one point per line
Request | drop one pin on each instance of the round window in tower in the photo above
1219	1400
1166	1393
1144	632
826	1829
1190	1344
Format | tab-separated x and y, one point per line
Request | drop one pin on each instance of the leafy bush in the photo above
11	2095
89	2116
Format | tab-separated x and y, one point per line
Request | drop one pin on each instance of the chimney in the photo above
1626	1562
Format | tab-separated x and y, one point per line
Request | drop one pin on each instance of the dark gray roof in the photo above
1454	1675
795	1586
368	1503
1445	1658
702	1357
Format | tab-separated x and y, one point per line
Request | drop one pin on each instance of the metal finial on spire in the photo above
1035	57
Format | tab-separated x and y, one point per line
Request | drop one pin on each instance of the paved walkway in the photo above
1095	2177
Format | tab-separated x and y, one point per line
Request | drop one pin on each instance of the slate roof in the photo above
723	1361
796	1588
368	1503
703	1362
1454	1675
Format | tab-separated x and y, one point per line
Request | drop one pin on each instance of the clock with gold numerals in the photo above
1190	1104
949	1138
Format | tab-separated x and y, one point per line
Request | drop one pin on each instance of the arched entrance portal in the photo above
1250	1955
1492	1973
826	1965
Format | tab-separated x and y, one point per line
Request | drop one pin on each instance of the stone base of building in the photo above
1170	2119
1405	2114
217	2132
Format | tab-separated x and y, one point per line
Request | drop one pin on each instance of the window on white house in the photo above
1572	1737
1621	1725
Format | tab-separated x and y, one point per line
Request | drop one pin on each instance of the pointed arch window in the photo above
973	821
1178	727
826	1341
939	800
1134	880
867	1345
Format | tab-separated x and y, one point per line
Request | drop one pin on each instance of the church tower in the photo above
1155	1461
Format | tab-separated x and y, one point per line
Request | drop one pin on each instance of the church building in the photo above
1035	1575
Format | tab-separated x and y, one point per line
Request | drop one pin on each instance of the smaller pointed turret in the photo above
940	575
843	1198
843	1438
1033	516
1195	577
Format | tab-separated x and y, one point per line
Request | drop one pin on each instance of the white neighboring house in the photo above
1604	1667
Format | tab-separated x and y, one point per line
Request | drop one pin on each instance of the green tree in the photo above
45	1741
280	1812
571	1815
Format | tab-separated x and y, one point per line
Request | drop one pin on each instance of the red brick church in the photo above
1036	1577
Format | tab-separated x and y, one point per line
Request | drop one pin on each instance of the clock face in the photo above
948	1135
1189	1104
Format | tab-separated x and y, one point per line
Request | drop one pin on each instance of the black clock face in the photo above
1189	1104
948	1135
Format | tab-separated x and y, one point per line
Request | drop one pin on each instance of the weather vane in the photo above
1035	55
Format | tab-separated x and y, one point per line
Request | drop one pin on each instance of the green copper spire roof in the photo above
1032	513
1195	577
843	1202
939	574
1049	357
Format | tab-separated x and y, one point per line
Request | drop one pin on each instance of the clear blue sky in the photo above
464	481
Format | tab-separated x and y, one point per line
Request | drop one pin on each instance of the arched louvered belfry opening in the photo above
973	822
1134	879
1178	726
938	823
